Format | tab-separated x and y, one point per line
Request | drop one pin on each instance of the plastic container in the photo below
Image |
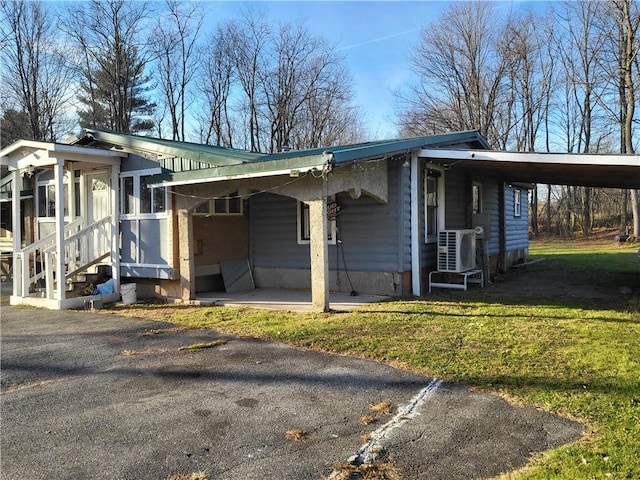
128	292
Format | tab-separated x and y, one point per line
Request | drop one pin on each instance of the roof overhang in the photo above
27	154
158	148
291	166
294	163
589	170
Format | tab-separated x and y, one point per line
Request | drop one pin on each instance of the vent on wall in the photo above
456	250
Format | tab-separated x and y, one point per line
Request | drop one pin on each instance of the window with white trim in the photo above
138	199
229	205
304	226
517	195
433	203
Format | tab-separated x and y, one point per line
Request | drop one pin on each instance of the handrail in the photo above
50	239
84	231
80	251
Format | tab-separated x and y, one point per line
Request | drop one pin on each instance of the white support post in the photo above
416	282
319	251
16	228
72	252
59	260
115	228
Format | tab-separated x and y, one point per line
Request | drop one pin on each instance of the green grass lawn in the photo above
576	356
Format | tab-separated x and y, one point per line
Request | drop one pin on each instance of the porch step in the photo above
85	283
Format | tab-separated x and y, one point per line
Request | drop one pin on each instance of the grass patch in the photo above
159	331
381	408
191	476
577	355
296	435
194	347
367	419
148	351
376	470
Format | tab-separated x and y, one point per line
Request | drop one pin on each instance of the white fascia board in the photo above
522	157
242	176
29	153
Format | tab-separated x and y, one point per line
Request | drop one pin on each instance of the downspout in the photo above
502	234
415	233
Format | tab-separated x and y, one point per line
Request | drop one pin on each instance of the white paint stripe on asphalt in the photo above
369	451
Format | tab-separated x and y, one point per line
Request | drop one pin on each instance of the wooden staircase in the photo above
87	261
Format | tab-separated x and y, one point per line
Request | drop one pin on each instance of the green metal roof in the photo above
317	158
380	148
185	162
179	153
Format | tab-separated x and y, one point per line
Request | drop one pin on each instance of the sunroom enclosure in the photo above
75	230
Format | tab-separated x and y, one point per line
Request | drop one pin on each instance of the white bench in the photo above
470	276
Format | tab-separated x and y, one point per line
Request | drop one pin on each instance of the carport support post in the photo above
319	251
187	264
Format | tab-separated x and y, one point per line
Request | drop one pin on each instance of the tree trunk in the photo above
635	209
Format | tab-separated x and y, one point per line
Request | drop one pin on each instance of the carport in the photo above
586	170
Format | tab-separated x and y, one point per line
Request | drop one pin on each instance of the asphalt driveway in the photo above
96	396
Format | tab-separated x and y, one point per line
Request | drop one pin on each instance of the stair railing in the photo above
83	248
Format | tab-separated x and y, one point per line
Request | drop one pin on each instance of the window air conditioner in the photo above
456	250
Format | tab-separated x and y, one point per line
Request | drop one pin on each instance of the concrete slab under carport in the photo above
75	406
291	300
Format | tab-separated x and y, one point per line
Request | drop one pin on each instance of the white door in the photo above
98	207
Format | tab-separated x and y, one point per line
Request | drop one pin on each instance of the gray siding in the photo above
403	198
150	235
136	162
517	228
368	231
490	205
455	200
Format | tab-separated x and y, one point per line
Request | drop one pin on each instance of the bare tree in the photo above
620	23
580	49
301	70
461	65
329	116
175	38
216	81
249	38
288	88
36	79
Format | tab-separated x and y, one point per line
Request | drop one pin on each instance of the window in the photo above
128	198
476	197
46	193
46	200
229	205
433	203
516	202
137	198
152	200
6	225
304	226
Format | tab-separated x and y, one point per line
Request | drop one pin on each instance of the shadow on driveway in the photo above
97	396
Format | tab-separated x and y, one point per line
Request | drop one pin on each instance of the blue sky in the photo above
376	39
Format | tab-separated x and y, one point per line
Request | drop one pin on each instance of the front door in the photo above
98	207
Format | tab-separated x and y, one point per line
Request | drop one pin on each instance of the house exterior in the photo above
171	216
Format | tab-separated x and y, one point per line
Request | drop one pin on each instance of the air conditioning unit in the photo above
456	250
